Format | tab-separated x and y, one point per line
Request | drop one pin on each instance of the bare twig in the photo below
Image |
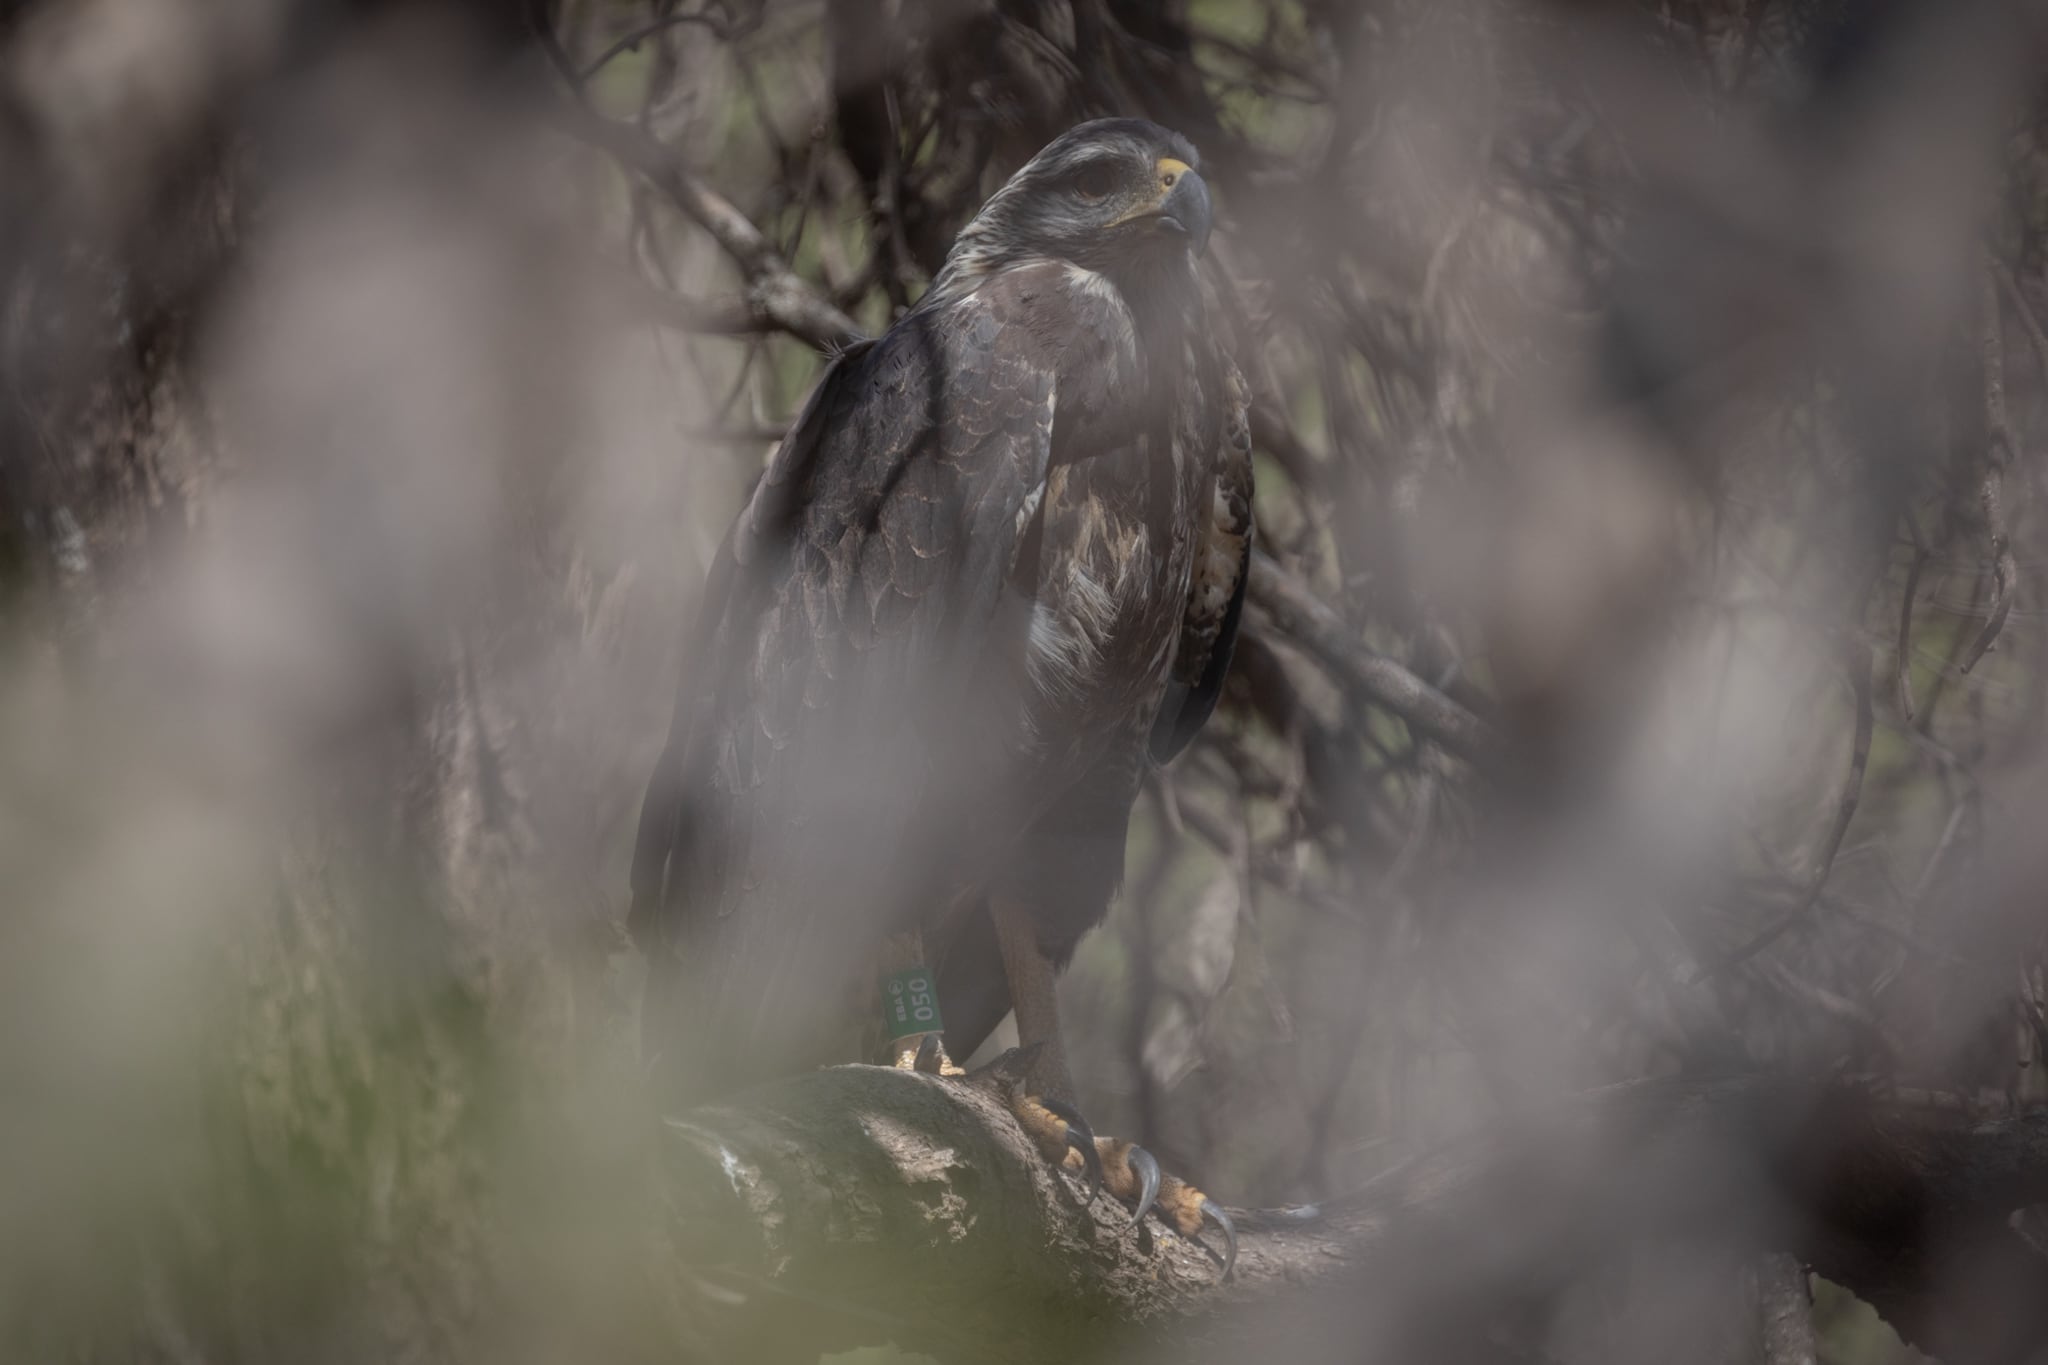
1858	667
774	292
1998	456
699	317
1857	1018
717	21
1903	678
2030	321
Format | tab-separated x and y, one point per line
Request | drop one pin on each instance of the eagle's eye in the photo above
1094	181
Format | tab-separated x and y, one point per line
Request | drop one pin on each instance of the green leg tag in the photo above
910	1003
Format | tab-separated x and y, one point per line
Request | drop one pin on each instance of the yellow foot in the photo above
924	1052
1132	1174
1122	1167
1186	1210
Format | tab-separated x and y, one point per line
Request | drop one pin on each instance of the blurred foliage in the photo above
334	1061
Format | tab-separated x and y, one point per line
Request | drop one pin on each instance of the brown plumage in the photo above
990	575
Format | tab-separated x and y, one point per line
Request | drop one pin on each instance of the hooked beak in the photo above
1185	209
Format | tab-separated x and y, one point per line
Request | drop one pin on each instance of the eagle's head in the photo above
1119	195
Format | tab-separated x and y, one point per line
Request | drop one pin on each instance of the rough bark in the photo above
859	1205
1784	1309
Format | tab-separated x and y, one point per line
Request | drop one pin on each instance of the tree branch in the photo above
774	292
1786	1313
863	1204
903	1207
1999	454
1382	681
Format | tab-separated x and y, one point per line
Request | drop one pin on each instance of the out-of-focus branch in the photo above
1998	454
716	19
1275	435
865	1204
1903	663
775	294
701	317
1296	611
1857	665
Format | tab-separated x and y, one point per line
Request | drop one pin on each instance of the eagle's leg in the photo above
1031	975
1048	1113
907	988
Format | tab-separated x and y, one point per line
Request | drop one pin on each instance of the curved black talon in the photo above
1147	1168
1212	1212
929	1052
1081	1138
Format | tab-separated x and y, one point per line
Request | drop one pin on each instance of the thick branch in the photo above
862	1204
902	1207
1383	682
1785	1313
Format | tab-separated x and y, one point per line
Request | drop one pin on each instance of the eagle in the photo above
991	575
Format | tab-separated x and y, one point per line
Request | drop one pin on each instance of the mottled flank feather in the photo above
1215	597
1225	542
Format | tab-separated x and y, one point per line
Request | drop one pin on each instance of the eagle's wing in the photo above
733	589
1223	555
863	643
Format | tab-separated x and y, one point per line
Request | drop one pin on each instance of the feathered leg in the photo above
1048	1112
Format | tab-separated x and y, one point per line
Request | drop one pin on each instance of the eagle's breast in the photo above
1118	565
